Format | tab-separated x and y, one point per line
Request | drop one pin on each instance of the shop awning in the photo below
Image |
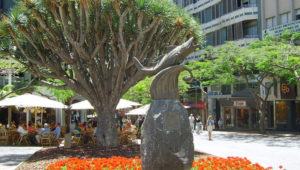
30	100
86	105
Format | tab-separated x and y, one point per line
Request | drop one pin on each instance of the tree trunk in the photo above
262	120
107	134
68	135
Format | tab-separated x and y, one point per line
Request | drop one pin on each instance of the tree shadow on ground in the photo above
277	140
13	159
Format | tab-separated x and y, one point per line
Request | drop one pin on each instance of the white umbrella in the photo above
86	105
30	100
126	104
83	105
139	111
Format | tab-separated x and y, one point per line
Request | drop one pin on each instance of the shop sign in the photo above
239	103
198	105
287	91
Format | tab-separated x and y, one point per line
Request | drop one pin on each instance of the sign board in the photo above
278	30
198	105
239	103
287	91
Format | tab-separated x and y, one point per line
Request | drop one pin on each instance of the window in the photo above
250	29
298	14
208	15
209	39
239	87
282	109
268	85
226	89
223	35
1	5
187	2
245	3
239	3
270	22
221	8
224	2
285	18
229	7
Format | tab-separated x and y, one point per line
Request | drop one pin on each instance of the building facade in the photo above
5	5
225	20
279	15
244	21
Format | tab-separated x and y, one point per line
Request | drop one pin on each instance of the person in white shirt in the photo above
21	129
192	119
220	123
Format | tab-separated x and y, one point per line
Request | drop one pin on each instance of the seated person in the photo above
78	129
31	128
95	131
14	125
21	129
31	133
43	130
57	130
89	133
52	126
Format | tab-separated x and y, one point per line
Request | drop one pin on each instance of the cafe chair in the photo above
23	138
3	136
76	139
45	138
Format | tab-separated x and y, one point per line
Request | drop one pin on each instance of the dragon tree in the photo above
97	47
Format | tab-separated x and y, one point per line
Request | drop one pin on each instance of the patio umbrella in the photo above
31	101
86	105
139	111
126	104
83	105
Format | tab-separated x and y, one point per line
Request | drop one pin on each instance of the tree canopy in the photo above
90	44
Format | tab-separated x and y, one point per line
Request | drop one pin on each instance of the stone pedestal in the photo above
167	141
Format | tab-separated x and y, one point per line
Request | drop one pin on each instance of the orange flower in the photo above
135	164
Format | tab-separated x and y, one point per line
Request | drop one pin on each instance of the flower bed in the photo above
135	164
115	162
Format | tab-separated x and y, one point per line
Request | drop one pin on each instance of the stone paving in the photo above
267	150
11	157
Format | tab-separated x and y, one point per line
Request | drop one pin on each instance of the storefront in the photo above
287	115
239	111
287	110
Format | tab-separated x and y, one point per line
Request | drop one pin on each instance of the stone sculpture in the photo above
167	141
174	57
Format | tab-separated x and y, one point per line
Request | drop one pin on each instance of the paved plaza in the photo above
267	150
11	157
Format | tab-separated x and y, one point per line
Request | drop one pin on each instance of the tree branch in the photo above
19	89
59	87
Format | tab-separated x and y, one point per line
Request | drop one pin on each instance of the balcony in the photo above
200	5
246	13
218	94
246	40
279	29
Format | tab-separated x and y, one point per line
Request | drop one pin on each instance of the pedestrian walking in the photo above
192	119
210	126
220	124
198	125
